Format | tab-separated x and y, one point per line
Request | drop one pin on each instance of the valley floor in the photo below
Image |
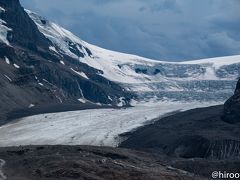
99	127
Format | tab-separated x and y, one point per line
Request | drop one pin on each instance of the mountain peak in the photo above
6	3
23	31
33	73
53	65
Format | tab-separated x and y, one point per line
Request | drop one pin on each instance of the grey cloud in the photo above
159	29
166	5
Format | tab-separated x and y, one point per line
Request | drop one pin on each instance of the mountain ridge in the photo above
33	75
53	66
184	81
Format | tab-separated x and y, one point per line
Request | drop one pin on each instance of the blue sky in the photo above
172	30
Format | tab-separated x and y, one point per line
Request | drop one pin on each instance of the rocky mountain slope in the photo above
209	133
42	63
34	75
201	80
205	139
232	107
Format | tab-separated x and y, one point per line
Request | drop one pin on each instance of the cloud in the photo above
165	5
161	29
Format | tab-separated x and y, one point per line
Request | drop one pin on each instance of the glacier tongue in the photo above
99	127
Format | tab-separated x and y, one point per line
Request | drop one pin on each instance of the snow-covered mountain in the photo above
32	75
206	79
42	63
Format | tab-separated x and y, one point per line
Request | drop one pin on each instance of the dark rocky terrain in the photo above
205	139
83	162
196	133
232	107
40	77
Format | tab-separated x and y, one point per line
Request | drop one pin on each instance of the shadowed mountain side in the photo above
198	133
211	133
32	74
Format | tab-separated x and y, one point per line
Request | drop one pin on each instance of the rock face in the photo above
24	31
232	107
32	74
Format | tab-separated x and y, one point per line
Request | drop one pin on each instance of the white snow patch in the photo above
16	66
4	31
82	100
2	175
60	99
59	36
7	60
99	127
217	62
52	48
2	9
41	84
62	62
109	97
210	73
31	105
8	78
80	73
121	102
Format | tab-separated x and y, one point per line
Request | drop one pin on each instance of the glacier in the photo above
161	87
99	127
201	80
